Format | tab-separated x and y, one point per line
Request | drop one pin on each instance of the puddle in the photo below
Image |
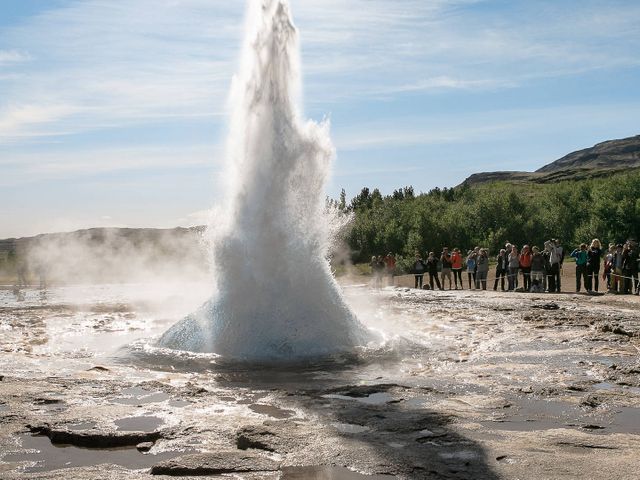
533	414
397	445
350	428
271	411
179	403
609	387
45	457
604	386
418	402
327	473
625	420
138	396
379	398
4	407
138	424
81	426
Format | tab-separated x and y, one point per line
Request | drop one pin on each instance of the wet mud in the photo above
470	385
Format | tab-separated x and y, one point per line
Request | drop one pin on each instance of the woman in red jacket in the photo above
525	266
456	266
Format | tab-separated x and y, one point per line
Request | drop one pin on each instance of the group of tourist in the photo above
530	269
381	267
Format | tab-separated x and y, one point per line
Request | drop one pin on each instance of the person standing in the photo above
638	269
537	271
594	254
456	267
525	267
376	271
553	276
581	256
390	267
514	264
608	264
419	268
632	263
482	269
432	268
471	268
616	269
502	267
560	252
445	259
628	266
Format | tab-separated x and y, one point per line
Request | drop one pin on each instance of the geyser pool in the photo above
276	297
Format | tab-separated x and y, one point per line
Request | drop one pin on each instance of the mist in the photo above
107	255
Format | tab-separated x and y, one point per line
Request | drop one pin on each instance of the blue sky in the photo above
112	112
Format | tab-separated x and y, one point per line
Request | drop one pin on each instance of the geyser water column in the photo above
276	298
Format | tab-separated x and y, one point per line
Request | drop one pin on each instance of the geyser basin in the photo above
276	297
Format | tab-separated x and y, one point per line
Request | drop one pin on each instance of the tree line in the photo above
488	215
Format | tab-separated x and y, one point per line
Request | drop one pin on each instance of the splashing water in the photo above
276	297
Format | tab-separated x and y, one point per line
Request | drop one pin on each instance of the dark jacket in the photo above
537	262
432	265
629	261
502	263
633	260
593	259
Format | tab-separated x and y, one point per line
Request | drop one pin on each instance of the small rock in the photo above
621	331
576	388
47	401
548	306
144	446
215	464
260	438
100	368
591	401
592	427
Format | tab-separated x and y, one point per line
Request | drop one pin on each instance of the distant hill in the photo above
101	236
603	159
107	254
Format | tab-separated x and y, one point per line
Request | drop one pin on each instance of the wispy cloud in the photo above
124	61
12	56
22	168
95	63
488	127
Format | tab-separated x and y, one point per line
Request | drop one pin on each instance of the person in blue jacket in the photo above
581	256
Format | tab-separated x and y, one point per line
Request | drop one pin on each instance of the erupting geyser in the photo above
276	298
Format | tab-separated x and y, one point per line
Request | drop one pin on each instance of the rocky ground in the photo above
472	385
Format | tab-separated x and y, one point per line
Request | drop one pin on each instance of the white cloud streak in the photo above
23	168
94	62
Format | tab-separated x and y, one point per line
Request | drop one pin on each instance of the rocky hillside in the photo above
600	160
